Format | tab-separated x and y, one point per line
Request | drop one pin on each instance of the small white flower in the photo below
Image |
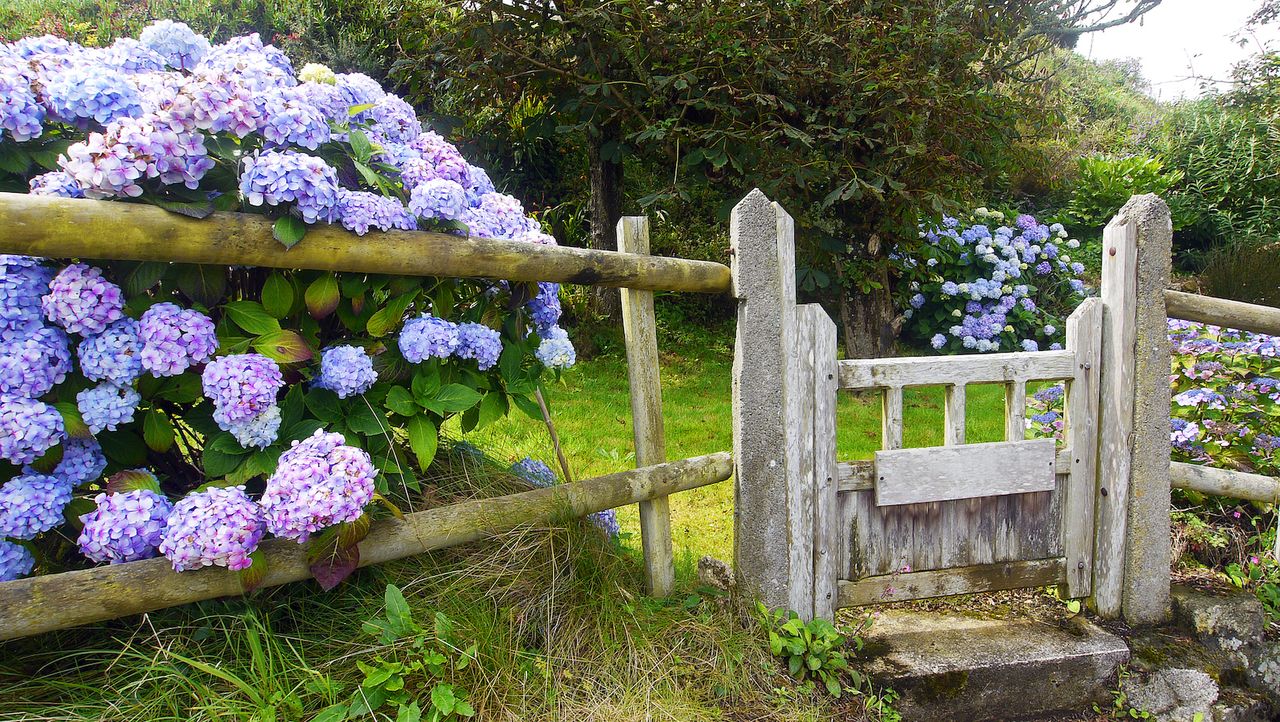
956	313
1073	243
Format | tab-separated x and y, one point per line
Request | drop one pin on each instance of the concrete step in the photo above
954	667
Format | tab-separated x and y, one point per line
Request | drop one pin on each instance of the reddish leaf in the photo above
333	568
252	577
322	296
132	480
285	347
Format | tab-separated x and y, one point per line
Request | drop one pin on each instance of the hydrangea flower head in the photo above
395	120
533	471
84	93
289	119
28	428
58	184
82	462
125	526
177	43
319	482
30	367
607	522
21	116
258	431
241	386
82	301
317	73
24	280
427	337
220	526
114	355
479	342
544	308
15	561
132	56
346	371
556	350
274	178
32	504
359	210
438	198
175	339
107	406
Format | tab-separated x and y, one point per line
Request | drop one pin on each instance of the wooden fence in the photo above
84	229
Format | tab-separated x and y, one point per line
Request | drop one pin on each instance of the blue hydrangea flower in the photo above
278	177
56	183
132	56
114	355
180	46
917	300
81	93
28	428
20	114
533	471
15	561
1201	397
438	198
24	280
31	505
607	522
174	339
556	350
30	367
346	371
497	216
82	301
82	462
479	342
1030	345
220	526
125	526
427	337
358	89
358	210
289	119
259	431
106	406
544	308
395	120
241	386
938	341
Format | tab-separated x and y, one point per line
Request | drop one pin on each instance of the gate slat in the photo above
963	580
978	369
826	525
1081	406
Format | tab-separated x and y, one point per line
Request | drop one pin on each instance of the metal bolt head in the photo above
1111	252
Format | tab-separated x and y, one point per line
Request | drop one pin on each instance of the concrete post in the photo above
1132	554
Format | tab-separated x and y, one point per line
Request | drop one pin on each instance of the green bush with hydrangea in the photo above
978	286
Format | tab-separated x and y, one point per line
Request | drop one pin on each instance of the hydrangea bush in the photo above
190	411
982	286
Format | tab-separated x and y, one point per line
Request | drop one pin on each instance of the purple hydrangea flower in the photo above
556	350
20	114
438	198
28	429
174	339
180	46
277	177
15	561
32	366
258	431
497	216
1030	345
395	120
125	526
214	102
938	341
57	183
319	482
1183	434
358	210
479	342
81	93
114	164
533	471
289	119
358	89
477	184
132	56
917	300
607	522
216	527
82	462
23	282
114	355
256	67
427	337
1201	397
346	371
241	387
107	406
82	301
32	504
544	308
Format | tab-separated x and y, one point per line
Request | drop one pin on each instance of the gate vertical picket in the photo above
826	509
1081	406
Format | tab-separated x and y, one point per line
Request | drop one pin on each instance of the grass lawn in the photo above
592	412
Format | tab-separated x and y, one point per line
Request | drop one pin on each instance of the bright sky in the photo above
1180	39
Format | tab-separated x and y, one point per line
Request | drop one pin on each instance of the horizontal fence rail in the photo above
1224	482
1222	312
73	228
949	370
59	601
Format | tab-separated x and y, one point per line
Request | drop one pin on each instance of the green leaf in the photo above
301	430
322	296
190	209
183	389
332	713
277	295
219	463
398	612
324	404
206	284
364	420
410	713
492	407
360	145
423	439
389	316
157	431
143	276
252	576
528	405
71	420
14	159
285	347
442	699
289	230
426	382
453	398
124	447
400	401
132	480
252	317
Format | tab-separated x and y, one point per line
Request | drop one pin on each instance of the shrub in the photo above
1244	271
974	289
1105	183
256	401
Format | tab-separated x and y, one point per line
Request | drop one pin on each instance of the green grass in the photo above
592	413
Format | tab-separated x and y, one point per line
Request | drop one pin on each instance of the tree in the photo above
860	116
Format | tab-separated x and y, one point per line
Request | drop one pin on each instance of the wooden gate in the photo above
813	534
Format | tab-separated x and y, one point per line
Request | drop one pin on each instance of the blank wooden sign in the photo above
945	473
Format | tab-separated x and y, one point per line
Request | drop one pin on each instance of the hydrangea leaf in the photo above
366	421
71	420
351	533
132	480
423	439
426	382
322	296
252	317
205	284
124	447
289	231
190	209
452	399
333	568
390	316
283	346
157	431
400	401
77	508
252	577
277	295
324	404
492	407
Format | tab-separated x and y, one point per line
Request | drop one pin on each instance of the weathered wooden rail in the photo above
103	230
57	601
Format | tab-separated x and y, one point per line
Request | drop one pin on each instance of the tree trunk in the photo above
605	210
867	320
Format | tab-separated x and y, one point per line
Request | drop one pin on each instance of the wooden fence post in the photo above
783	421
640	330
1132	556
